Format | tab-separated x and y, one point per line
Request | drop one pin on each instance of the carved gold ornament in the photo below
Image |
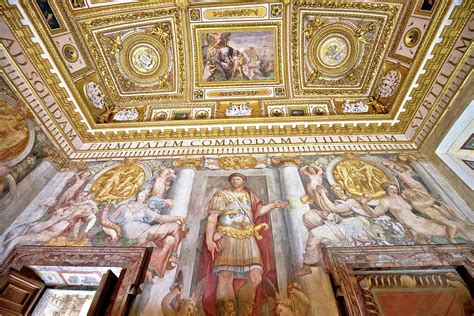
189	163
118	183
237	162
360	177
195	14
201	114
319	111
412	37
70	53
277	112
160	116
14	133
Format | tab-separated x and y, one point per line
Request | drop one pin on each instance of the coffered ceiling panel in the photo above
109	79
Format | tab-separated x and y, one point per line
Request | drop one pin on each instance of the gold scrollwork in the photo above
189	163
240	93
237	162
313	26
70	53
256	12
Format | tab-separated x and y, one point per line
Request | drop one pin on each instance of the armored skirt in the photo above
235	233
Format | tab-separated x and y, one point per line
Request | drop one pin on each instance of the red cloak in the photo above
265	247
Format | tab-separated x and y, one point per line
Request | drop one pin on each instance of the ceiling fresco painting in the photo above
134	79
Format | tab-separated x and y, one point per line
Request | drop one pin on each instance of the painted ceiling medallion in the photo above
143	59
333	50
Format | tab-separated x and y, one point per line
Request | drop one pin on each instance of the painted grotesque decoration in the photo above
235	236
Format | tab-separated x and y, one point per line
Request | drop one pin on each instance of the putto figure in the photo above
237	246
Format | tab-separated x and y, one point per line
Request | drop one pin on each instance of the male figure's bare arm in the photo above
210	231
270	206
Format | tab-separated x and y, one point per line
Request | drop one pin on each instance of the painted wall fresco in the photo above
239	235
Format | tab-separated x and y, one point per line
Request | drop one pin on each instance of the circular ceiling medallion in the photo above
276	112
319	111
334	50
143	59
201	114
412	37
160	116
70	53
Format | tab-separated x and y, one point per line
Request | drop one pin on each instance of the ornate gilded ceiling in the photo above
212	78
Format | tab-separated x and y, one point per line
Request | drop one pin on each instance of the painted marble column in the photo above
180	193
181	189
292	187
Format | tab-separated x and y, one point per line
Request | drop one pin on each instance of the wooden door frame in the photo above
132	260
341	262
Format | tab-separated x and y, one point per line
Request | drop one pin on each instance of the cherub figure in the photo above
315	184
229	307
296	303
163	182
173	305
